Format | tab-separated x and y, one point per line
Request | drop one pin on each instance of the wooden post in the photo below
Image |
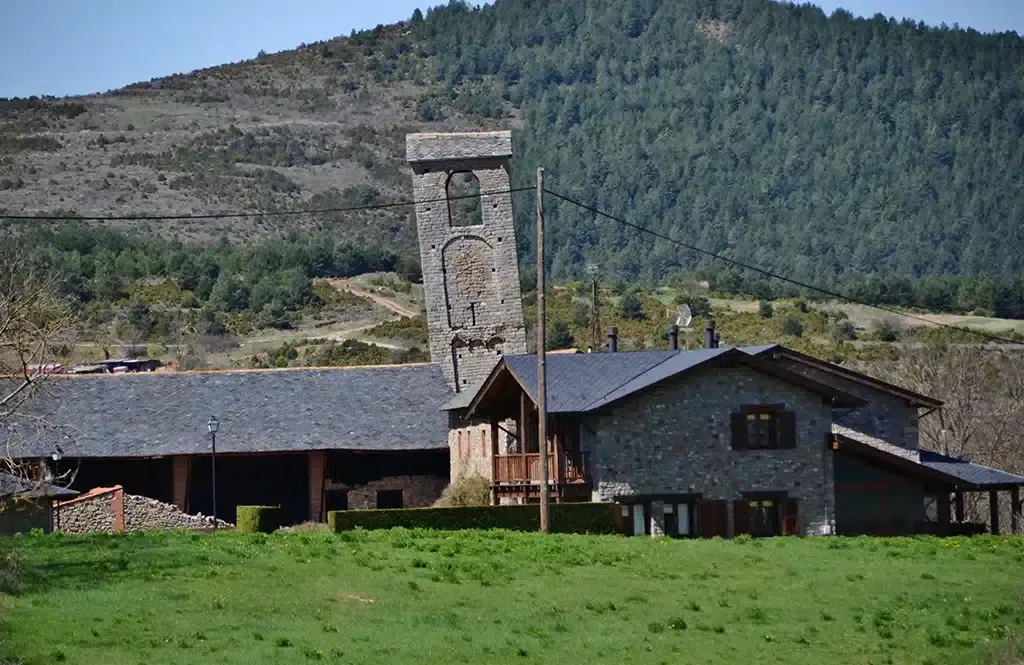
542	411
1015	509
316	462
942	512
494	461
959	506
179	480
993	510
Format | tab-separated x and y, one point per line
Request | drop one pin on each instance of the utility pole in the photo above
595	311
542	407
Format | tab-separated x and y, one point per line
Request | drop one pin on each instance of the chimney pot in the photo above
673	337
709	333
613	339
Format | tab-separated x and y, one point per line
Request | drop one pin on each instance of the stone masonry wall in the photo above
469	446
100	513
886	416
676	438
470	273
91	514
417	491
143	514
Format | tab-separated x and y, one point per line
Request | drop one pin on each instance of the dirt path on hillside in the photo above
383	301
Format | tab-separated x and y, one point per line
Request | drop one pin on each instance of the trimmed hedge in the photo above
565	518
258	519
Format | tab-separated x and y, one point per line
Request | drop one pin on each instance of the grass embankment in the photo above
415	596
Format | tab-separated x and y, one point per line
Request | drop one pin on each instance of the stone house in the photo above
719	442
28	505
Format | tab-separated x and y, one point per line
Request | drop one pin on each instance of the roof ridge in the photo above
240	370
632	378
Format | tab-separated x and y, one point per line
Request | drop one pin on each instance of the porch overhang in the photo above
931	467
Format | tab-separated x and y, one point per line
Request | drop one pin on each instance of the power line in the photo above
236	215
774	275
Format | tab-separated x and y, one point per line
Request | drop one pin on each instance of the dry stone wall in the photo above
111	511
143	514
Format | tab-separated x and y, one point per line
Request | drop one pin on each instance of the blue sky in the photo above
67	47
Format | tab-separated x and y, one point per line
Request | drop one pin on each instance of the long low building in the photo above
309	440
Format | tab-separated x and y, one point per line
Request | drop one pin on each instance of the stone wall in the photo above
675	438
470	273
93	511
886	416
144	514
417	491
110	510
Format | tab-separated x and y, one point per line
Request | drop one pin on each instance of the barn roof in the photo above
381	408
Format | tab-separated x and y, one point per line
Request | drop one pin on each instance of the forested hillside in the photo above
820	146
826	148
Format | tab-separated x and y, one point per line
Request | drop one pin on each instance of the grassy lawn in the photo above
500	597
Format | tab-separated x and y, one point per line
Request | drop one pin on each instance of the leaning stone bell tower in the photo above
467	251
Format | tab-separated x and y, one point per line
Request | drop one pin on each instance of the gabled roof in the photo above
12	486
914	398
587	382
382	408
935	466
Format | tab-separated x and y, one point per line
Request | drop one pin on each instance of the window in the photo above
464	203
763	427
389	499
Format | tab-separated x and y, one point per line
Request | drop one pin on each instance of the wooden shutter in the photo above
790	517
739	431
741	516
787	429
712	519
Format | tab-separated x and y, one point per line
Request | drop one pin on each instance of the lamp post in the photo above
57	455
212	425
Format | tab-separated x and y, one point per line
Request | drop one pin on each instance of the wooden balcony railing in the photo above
525	468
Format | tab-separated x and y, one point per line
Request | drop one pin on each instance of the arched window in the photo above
464	205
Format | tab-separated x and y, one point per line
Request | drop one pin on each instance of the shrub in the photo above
765	309
791	325
11	565
565	518
258	519
470	491
887	330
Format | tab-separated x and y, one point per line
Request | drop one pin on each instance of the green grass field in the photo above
500	597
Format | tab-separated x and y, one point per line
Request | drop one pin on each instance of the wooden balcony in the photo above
525	468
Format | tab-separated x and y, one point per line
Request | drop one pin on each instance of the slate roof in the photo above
956	471
969	472
575	382
11	485
385	408
911	396
579	383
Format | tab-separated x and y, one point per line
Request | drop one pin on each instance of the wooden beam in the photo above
316	461
180	465
524	437
993	510
1015	509
959	506
942	512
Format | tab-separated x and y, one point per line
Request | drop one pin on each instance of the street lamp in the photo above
212	425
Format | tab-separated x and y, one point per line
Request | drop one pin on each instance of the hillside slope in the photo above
824	147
